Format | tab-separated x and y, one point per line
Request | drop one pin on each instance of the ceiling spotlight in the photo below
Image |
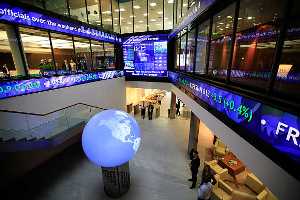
153	20
240	18
136	7
159	12
249	17
153	4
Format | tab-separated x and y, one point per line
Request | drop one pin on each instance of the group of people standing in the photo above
150	109
207	180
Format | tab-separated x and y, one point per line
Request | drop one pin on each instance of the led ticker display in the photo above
26	17
21	87
275	127
146	55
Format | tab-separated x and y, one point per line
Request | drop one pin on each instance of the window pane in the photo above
178	12
178	52
37	3
93	8
63	52
57	6
190	51
221	42
98	55
140	13
168	14
109	55
184	7
288	75
83	54
155	15
78	10
106	15
37	50
116	15
6	60
126	17
182	52
255	42
202	43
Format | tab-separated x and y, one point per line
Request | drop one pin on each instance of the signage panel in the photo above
146	55
21	87
26	17
275	127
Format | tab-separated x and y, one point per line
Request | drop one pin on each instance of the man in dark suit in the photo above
195	163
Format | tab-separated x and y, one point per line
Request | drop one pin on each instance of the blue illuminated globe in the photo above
111	138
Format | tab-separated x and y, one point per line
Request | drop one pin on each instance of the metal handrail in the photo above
44	114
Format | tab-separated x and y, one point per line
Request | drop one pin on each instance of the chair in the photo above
219	149
217	169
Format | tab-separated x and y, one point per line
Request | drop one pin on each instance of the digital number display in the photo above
26	17
275	127
146	55
21	87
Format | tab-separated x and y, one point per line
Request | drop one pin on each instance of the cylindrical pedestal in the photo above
116	180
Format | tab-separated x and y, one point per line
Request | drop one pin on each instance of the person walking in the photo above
151	111
195	163
205	190
178	108
143	112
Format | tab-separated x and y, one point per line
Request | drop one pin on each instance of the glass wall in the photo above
141	15
127	17
115	15
98	55
258	27
109	51
57	6
178	42
191	46
37	50
83	54
106	15
202	47
63	52
221	42
7	65
93	8
288	74
182	52
168	14
155	15
78	10
178	10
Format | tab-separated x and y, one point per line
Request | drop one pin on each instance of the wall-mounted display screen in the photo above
275	127
27	17
146	55
21	87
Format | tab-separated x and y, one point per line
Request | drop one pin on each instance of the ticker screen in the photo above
146	55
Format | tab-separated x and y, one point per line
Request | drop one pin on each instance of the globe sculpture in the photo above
110	139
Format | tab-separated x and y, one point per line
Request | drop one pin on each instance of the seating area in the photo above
229	188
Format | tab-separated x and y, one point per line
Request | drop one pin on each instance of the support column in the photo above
173	106
17	51
194	131
116	180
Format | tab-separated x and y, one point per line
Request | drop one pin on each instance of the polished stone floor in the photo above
159	170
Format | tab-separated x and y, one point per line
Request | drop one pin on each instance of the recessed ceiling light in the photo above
153	4
122	10
129	23
159	12
184	5
116	18
249	17
240	18
116	24
145	14
170	1
221	23
141	21
221	29
107	20
166	18
132	16
229	17
106	12
153	20
136	7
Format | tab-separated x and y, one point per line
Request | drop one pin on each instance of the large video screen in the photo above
145	55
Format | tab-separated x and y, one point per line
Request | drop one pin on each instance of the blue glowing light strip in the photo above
26	17
22	87
275	127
